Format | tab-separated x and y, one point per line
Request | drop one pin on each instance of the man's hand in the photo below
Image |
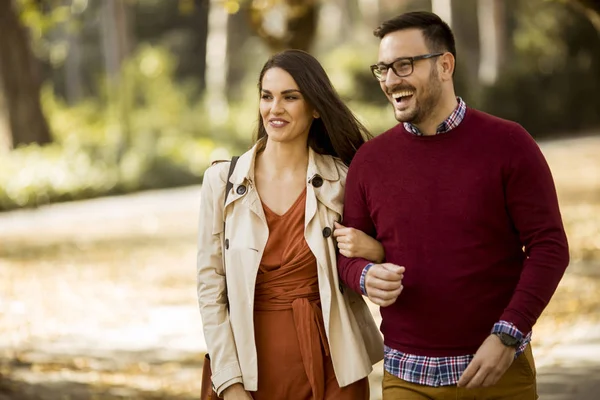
236	392
383	283
491	362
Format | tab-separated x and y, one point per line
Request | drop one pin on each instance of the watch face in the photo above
508	340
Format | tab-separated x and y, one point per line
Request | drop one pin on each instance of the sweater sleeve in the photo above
532	204
356	215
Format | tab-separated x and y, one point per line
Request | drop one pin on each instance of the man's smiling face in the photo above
413	97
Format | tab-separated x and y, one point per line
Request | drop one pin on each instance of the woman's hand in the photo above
236	392
355	243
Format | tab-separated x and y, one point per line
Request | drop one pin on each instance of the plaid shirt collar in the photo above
446	126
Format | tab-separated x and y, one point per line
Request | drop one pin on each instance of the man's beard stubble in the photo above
428	102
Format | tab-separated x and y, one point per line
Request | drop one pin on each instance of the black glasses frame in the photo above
380	76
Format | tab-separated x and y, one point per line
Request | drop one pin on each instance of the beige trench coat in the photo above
226	294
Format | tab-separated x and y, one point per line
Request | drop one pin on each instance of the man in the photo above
465	207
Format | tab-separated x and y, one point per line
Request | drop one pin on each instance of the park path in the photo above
97	297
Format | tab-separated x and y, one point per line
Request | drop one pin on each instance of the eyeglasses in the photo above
402	67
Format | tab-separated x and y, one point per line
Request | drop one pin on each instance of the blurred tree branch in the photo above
589	8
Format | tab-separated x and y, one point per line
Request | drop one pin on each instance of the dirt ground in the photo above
97	298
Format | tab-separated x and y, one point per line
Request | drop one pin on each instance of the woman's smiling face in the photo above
285	114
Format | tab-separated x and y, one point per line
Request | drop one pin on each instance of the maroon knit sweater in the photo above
473	216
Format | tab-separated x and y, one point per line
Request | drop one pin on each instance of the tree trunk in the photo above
20	82
369	10
5	135
238	53
73	70
216	65
200	29
466	33
116	41
443	8
334	23
491	16
115	38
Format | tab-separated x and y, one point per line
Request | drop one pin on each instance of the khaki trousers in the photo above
518	383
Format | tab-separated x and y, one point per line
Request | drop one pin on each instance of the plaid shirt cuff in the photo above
511	329
363	289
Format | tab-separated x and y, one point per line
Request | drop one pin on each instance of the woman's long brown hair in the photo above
337	132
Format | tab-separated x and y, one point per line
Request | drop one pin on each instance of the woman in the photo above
278	323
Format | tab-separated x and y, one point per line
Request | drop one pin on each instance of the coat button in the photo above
317	181
341	287
226	244
241	189
326	232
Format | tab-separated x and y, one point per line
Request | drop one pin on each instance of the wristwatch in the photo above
508	340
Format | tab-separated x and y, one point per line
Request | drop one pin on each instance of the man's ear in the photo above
447	65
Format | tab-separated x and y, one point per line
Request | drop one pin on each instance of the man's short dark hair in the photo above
437	34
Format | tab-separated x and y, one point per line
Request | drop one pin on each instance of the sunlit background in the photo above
111	110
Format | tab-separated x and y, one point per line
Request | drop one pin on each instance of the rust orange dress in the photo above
292	349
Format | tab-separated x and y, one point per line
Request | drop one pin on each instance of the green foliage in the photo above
350	74
150	134
41	20
551	84
144	130
168	142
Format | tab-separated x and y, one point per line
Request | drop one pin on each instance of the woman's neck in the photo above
282	160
